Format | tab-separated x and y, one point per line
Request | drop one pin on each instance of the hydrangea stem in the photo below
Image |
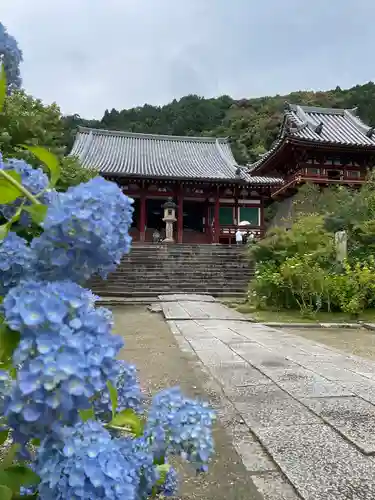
20	187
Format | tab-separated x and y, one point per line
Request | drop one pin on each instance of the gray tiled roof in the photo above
144	155
340	126
337	126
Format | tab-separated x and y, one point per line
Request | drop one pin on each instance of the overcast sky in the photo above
89	55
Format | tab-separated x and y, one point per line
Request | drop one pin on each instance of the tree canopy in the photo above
251	124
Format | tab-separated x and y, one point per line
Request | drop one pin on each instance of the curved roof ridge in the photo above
140	135
317	109
361	126
231	164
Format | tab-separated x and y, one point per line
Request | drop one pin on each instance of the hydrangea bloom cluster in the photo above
11	56
16	261
85	232
128	392
88	465
65	355
36	182
181	426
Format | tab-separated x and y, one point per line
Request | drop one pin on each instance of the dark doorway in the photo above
194	215
334	175
136	213
154	209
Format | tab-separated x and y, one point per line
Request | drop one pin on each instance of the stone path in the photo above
305	409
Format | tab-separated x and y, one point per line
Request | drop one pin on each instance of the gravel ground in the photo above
360	342
152	347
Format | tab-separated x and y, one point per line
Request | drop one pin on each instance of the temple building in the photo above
213	194
320	145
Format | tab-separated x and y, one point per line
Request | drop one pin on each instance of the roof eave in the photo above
296	141
330	145
241	182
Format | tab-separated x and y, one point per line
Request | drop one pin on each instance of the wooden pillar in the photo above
262	221
180	215
142	216
216	217
236	215
207	217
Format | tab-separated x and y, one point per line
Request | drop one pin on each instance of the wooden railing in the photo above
228	232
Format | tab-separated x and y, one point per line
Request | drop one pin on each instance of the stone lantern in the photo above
169	219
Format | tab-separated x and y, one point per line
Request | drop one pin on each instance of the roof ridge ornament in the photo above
319	128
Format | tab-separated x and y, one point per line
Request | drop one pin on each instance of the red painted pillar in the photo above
142	217
216	218
180	216
207	217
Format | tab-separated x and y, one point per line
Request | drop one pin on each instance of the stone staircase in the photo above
151	270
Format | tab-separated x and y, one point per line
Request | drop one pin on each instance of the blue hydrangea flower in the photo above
16	261
179	425
138	450
89	464
170	485
128	392
85	232
11	56
34	180
65	355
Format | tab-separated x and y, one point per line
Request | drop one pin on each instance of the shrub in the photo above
307	235
353	290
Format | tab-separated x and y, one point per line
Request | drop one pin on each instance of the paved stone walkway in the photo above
305	409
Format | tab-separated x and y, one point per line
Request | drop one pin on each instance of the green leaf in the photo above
38	212
35	442
3	87
8	191
49	159
114	397
9	340
3	436
163	471
5	493
4	229
86	415
22	475
128	419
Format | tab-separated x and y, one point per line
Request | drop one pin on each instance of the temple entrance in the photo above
154	214
136	213
194	225
194	215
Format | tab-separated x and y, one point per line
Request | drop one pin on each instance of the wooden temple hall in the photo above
213	194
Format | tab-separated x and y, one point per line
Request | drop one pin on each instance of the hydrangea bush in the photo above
74	424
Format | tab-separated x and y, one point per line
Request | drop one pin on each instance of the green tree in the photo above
72	173
251	124
26	120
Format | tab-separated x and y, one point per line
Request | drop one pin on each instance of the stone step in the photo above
140	291
162	273
151	270
151	294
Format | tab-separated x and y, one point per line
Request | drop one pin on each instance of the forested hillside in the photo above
251	124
